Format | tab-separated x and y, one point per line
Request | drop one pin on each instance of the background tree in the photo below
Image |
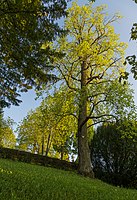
7	137
114	153
51	127
25	29
91	67
59	114
29	133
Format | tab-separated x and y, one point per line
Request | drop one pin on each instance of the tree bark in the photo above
48	145
85	166
62	153
42	148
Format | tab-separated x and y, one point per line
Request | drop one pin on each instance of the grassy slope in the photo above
21	181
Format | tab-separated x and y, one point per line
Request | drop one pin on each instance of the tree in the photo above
91	67
7	137
59	120
25	29
114	153
29	133
51	128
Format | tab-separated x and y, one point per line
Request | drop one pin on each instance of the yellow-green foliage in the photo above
7	137
91	39
93	43
53	121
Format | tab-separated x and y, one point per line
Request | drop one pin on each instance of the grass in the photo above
21	181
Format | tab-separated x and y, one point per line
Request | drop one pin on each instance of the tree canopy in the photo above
7	137
25	27
51	128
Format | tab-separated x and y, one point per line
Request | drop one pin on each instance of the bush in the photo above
114	153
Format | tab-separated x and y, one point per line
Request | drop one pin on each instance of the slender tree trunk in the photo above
62	154
34	147
85	166
42	148
38	149
48	143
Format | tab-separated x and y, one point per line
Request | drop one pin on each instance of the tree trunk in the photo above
48	145
62	153
42	148
85	166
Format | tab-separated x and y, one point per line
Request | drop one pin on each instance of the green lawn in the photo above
21	181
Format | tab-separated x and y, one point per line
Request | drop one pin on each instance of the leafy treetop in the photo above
24	27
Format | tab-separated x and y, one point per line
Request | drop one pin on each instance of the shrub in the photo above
114	153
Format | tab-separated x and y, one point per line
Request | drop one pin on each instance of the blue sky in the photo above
128	9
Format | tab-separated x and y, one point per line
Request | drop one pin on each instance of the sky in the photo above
128	9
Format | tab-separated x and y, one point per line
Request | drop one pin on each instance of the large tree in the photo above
25	27
91	68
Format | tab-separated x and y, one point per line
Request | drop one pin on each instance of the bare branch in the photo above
97	94
101	121
103	115
64	76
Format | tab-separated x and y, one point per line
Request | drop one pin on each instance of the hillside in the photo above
21	181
